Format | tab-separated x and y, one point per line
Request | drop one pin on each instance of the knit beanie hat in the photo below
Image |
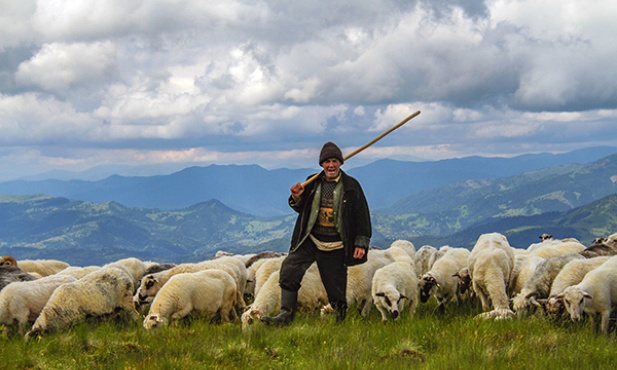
330	150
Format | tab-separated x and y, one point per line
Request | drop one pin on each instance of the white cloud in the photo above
59	67
270	81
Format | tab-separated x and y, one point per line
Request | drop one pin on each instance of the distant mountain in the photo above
257	191
454	207
564	201
596	219
84	233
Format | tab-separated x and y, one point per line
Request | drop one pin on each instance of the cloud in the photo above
268	82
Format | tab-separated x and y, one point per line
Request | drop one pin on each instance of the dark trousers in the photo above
331	266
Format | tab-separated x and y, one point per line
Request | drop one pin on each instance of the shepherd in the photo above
333	229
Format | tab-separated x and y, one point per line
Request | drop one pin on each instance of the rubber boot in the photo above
341	312
289	301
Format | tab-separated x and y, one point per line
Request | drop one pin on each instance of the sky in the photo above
164	83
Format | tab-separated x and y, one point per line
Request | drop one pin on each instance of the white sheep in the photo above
423	256
311	296
524	267
490	264
99	293
595	295
394	288
437	255
152	283
204	293
78	272
41	267
22	301
360	279
571	274
264	271
405	245
442	279
254	264
538	286
559	247
134	266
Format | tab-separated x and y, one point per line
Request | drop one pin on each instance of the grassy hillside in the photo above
427	341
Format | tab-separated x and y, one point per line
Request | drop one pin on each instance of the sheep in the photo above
22	301
423	256
40	267
539	284
490	264
405	245
263	255
393	285
602	247
152	283
360	278
546	240
595	295
78	272
437	255
205	293
557	248
158	267
99	293
264	271
254	264
524	267
10	273
441	280
134	266
571	274
312	295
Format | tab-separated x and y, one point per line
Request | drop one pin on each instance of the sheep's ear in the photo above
587	295
404	296
559	296
437	285
380	294
531	295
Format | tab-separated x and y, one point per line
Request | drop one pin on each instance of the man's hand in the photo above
358	253
296	190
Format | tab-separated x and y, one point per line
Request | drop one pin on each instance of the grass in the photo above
454	340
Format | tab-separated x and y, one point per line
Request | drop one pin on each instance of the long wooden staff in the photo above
313	178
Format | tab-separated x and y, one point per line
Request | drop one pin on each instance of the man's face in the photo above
332	168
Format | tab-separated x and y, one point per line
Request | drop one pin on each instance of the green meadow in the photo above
454	340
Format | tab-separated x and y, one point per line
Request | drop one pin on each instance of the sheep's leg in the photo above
483	298
604	319
384	313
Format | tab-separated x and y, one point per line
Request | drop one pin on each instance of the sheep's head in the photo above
391	300
496	314
425	285
524	305
250	316
575	300
546	237
599	240
149	286
8	261
554	306
154	321
326	310
464	280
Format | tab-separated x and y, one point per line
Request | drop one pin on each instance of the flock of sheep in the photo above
556	277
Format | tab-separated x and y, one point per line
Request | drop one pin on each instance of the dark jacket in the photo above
355	213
